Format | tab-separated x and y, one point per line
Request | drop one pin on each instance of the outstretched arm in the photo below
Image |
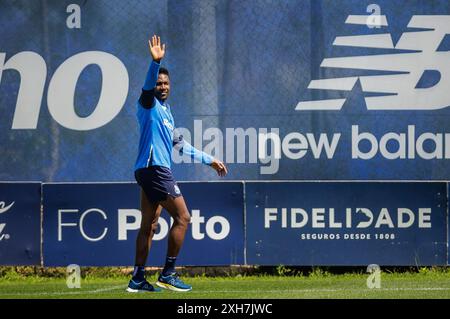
184	147
157	52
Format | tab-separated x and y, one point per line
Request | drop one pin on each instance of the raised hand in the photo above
156	49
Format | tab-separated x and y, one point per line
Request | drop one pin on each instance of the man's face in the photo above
162	88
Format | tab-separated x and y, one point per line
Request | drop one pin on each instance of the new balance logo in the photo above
398	91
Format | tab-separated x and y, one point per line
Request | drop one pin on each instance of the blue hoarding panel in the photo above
364	94
217	212
97	224
20	223
335	223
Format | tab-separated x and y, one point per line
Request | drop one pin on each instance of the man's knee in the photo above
183	218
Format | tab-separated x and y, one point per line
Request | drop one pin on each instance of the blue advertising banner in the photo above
350	89
97	224
20	223
346	223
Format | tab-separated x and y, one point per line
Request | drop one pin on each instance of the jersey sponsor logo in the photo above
168	124
416	55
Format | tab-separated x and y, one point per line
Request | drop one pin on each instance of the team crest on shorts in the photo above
177	189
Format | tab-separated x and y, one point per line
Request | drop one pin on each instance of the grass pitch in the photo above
424	284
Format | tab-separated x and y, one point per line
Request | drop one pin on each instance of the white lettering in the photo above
270	214
224	231
61	90
33	71
73	21
105	230
424	217
196	221
61	224
124	226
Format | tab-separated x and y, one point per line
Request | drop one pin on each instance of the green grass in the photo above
318	284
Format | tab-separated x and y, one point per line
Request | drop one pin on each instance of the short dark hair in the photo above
163	70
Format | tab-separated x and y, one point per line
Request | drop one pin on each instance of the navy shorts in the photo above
157	182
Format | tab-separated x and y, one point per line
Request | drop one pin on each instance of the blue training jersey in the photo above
157	129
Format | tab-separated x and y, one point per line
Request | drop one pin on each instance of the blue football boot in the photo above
143	286
172	282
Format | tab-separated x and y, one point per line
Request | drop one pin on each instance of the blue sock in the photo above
138	273
169	267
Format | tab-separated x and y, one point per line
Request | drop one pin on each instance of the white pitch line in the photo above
321	290
74	292
235	291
